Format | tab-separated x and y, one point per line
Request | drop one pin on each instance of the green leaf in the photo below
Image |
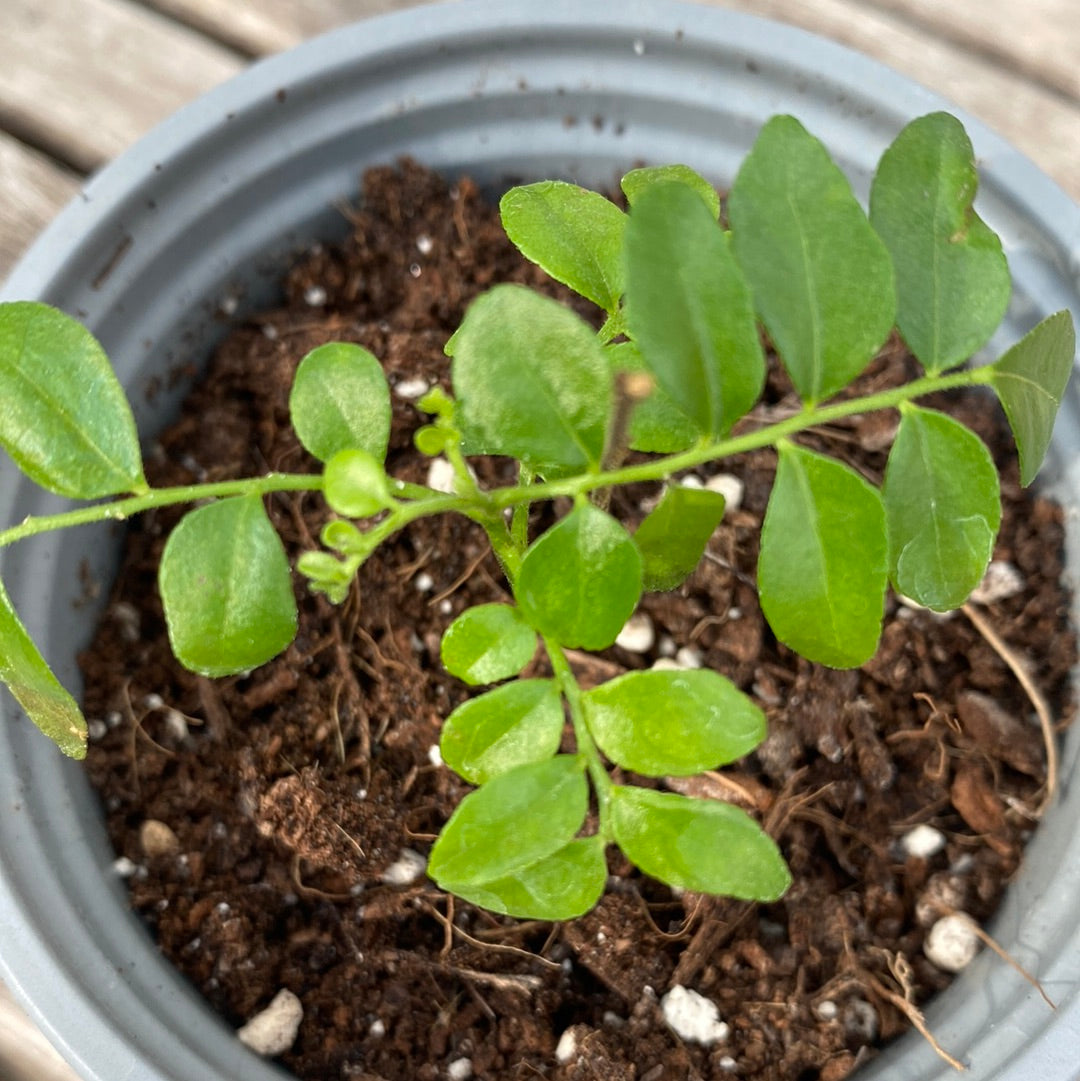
517	723
657	424
679	723
952	280
639	180
1030	380
943	508
695	844
562	886
821	277
512	822
673	536
531	379
35	687
488	643
689	309
64	418
355	484
823	566
226	588
340	401
581	580
572	233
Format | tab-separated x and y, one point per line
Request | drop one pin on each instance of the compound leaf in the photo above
952	280
561	886
689	310
822	279
581	580
674	534
226	588
512	822
1030	380
64	417
517	723
487	643
678	723
35	688
340	401
574	234
696	844
823	566
943	508
532	381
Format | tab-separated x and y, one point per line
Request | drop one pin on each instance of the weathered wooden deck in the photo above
82	79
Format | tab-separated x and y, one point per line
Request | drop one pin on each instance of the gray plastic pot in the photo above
211	204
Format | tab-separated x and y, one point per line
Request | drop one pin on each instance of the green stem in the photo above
659	469
571	691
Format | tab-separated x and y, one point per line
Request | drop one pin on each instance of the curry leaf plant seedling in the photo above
675	372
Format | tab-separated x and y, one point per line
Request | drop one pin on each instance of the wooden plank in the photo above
272	25
24	1052
1039	38
34	189
85	78
1040	122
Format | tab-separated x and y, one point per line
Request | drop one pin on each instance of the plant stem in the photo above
571	691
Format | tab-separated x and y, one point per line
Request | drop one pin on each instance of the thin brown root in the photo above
451	929
1004	954
461	579
1036	697
914	1015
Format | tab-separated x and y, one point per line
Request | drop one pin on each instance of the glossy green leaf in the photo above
680	723
696	844
689	309
673	536
226	588
943	508
340	401
572	233
511	823
1030	380
355	484
64	418
35	688
562	886
823	566
488	643
821	277
657	424
517	723
952	280
638	180
531	379
581	580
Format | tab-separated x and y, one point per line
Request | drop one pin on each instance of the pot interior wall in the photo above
207	211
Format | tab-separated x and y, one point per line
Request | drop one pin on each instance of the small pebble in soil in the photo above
377	1028
440	476
923	842
566	1048
424	244
691	480
273	1030
693	1017
315	296
96	729
435	755
406	869
124	868
727	1064
952	942
423	582
176	725
688	657
158	839
1001	581
826	1010
411	389
460	1069
638	634
666	646
861	1021
667	664
730	487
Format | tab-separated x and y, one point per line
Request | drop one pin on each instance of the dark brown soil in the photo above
288	794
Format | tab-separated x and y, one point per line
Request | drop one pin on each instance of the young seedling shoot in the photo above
672	375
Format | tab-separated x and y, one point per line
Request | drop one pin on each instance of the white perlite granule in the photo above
273	1031
693	1017
566	1048
922	842
637	635
952	942
406	869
